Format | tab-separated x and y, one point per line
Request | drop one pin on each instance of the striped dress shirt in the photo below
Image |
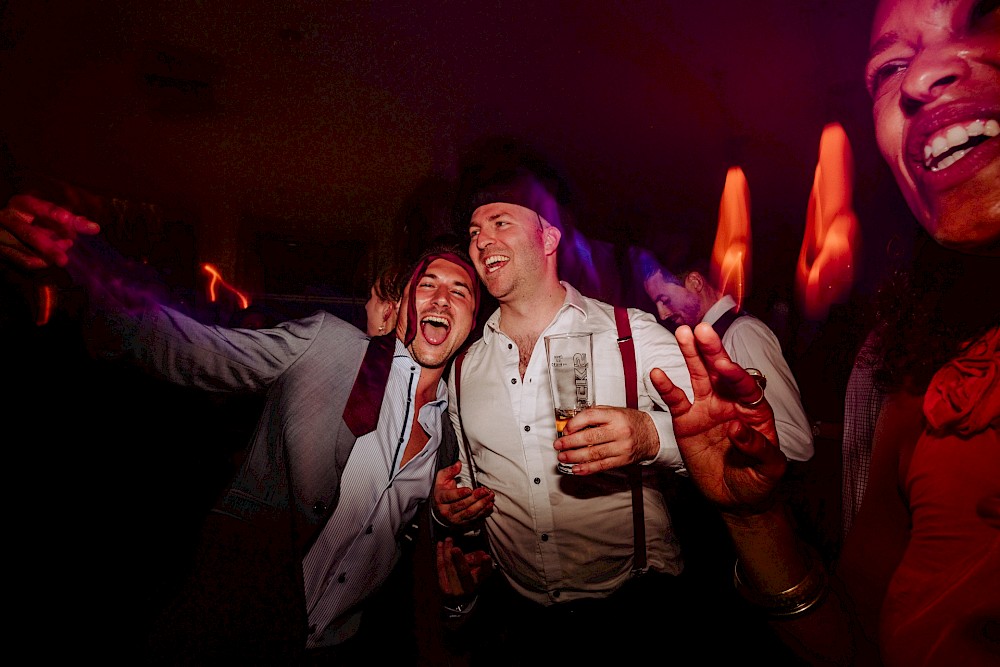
358	547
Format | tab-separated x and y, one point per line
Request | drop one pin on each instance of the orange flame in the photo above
825	269
217	280
46	303
731	253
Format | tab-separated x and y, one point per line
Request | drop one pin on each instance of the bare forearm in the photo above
771	557
780	575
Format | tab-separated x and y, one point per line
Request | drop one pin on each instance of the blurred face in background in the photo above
675	304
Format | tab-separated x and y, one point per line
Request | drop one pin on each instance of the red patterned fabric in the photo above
964	396
943	603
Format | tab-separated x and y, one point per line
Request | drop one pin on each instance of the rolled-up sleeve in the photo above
656	347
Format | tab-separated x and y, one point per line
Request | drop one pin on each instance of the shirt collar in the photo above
403	361
401	351
573	300
721	307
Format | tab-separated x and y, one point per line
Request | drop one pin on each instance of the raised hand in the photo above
35	234
727	435
459	505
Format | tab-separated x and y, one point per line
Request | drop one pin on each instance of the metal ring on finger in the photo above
761	381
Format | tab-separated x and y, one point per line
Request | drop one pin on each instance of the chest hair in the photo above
525	345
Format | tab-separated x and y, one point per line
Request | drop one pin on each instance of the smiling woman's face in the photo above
934	77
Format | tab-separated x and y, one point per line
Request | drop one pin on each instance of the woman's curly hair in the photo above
928	313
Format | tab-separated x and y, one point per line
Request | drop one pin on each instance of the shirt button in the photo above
510	346
319	507
513	380
527	428
545	537
342	578
537	480
368	531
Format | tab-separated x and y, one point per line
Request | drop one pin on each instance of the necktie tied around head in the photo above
365	402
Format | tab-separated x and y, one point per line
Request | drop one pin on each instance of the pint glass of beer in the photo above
571	377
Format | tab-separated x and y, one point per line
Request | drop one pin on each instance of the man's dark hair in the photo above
677	273
699	264
439	247
389	284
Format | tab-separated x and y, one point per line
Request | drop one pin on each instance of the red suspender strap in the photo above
627	347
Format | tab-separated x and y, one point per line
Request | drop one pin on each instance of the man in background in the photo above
689	297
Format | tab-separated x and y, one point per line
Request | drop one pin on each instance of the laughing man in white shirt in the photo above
565	544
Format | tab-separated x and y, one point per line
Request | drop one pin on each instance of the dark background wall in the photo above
309	135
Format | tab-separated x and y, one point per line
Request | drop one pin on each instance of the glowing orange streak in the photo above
47	300
217	279
731	253
825	268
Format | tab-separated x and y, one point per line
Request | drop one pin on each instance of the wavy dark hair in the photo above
389	284
928	313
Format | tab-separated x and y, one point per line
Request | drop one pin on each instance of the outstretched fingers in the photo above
67	222
12	252
671	394
35	233
701	382
728	377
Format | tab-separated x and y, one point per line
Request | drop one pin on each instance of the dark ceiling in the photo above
322	120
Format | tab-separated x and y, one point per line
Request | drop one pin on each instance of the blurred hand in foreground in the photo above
727	436
36	234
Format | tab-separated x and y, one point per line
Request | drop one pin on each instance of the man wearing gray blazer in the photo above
342	458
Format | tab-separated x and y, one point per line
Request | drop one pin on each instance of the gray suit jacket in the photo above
246	598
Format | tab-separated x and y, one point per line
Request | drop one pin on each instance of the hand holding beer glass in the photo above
571	378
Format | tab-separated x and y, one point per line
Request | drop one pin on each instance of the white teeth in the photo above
495	258
950	160
938	146
438	320
955	136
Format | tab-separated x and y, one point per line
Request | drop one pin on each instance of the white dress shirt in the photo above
561	537
750	343
358	547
